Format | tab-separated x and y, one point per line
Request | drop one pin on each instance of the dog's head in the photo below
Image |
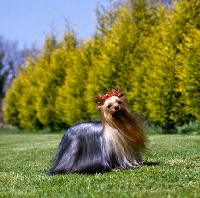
111	103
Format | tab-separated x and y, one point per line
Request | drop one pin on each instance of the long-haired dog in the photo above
115	142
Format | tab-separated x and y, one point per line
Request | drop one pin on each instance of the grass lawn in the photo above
172	170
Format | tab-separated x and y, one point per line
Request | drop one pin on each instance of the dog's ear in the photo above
98	100
121	94
119	91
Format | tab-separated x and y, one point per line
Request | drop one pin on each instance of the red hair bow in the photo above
105	97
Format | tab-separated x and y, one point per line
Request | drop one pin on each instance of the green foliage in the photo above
70	104
190	128
151	51
53	74
188	57
172	170
12	103
40	81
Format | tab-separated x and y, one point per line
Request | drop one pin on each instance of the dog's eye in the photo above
119	102
109	106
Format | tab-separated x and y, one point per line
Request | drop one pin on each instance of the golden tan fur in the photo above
123	135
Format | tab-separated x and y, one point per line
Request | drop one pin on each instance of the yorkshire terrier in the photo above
115	142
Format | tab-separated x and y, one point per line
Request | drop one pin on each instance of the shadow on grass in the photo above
153	163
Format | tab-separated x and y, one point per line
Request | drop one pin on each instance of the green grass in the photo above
172	170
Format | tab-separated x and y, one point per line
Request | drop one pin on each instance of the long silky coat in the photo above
115	142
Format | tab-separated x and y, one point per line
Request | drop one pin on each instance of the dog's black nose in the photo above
116	108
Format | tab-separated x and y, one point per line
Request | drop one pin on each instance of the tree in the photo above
186	20
11	59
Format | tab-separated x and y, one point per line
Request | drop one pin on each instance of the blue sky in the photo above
27	21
